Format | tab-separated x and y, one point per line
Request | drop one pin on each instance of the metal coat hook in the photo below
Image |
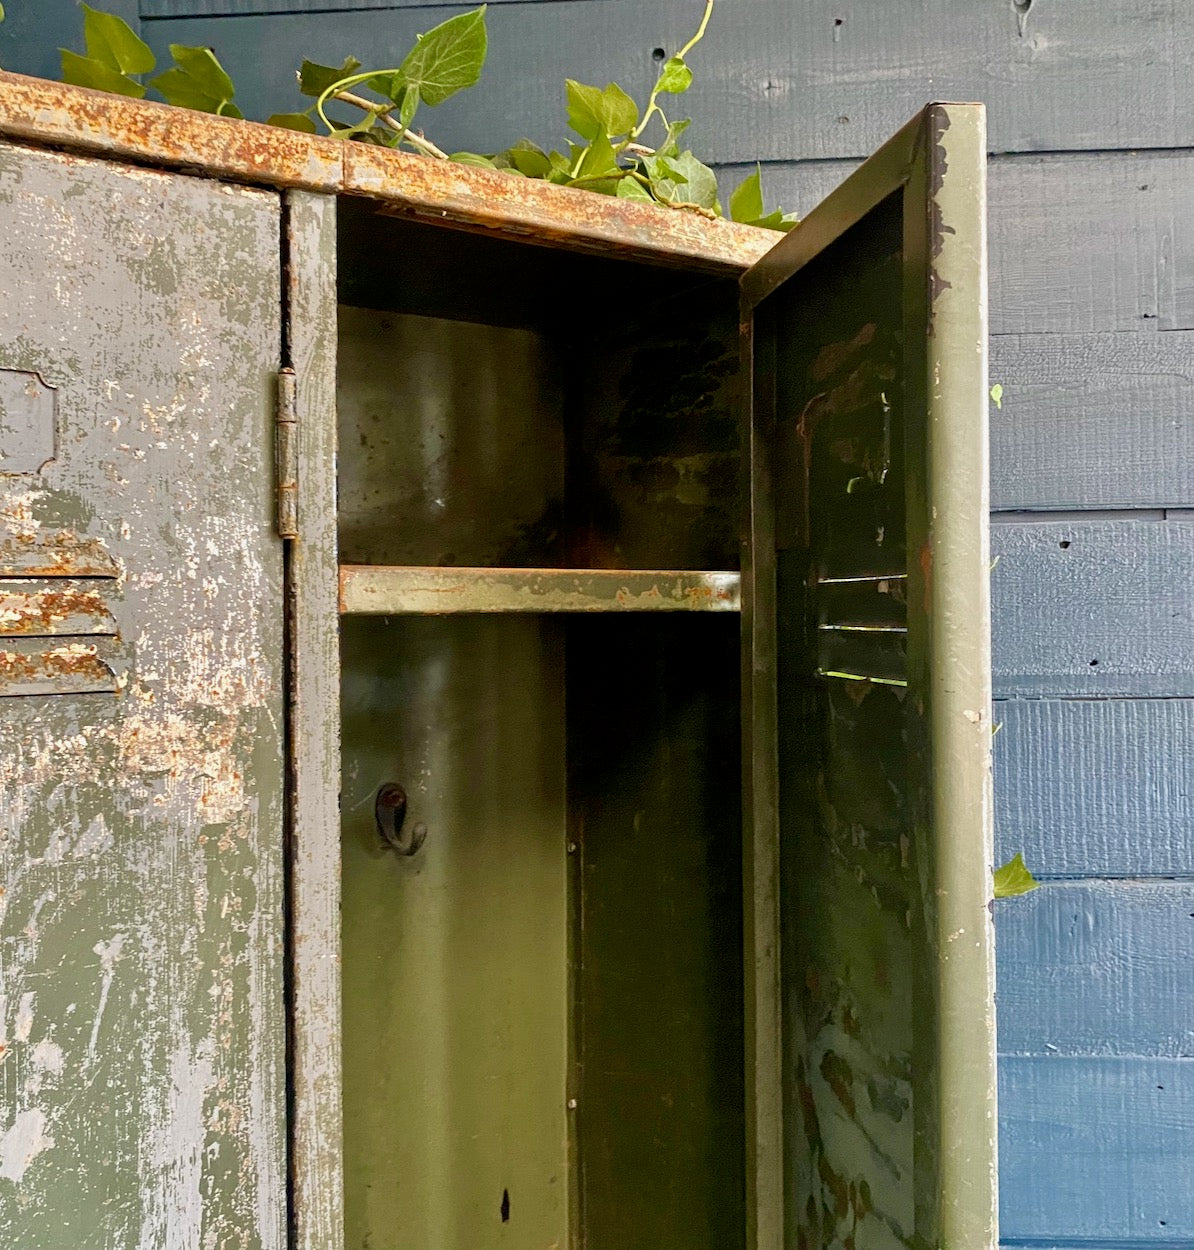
389	809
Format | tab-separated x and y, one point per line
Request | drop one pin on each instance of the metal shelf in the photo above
381	590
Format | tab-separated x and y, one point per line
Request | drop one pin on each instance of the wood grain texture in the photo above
1093	421
1097	968
788	81
1079	243
1094	608
1096	788
1096	1150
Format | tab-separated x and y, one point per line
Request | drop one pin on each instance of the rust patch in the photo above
72	668
458	196
37	609
60	553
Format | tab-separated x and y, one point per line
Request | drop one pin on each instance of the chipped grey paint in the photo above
141	1056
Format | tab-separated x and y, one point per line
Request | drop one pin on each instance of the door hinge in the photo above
286	455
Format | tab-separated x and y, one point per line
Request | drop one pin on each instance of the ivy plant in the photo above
610	150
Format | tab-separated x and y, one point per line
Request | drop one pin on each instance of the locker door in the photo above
142	1089
866	635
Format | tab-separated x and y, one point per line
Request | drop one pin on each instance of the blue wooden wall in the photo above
1092	289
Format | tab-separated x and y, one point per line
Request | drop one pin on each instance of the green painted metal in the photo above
655	814
141	875
455	959
865	332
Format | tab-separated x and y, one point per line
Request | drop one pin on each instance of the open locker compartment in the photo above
696	950
538	531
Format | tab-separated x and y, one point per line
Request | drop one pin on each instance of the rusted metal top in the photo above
461	196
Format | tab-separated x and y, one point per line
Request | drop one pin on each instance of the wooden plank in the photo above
1096	788
1093	421
1097	968
1096	1150
1094	608
1047	276
787	81
317	1211
387	591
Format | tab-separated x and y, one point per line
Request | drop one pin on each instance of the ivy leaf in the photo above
746	202
197	81
632	189
85	71
593	112
528	158
675	77
561	168
293	121
699	184
1014	878
997	395
408	106
448	58
112	42
314	79
598	158
473	158
777	220
671	145
1	12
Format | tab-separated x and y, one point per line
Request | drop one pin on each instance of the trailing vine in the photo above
610	153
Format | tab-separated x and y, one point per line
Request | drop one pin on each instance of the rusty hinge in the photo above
286	455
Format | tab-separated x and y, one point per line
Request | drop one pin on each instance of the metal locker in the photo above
601	843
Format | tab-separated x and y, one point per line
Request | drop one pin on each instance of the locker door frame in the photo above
938	163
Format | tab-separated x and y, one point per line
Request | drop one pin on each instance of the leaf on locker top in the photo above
293	121
86	71
197	81
112	42
746	201
448	58
593	111
314	79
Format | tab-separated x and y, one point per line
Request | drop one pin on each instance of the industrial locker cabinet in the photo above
496	735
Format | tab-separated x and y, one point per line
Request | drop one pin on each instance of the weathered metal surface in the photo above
457	444
69	666
48	606
317	1212
451	194
390	591
867	331
481	199
27	422
455	963
142	1098
36	111
54	552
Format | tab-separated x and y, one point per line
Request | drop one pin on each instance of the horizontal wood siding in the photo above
1113	970
775	81
1096	1151
1096	788
1094	608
